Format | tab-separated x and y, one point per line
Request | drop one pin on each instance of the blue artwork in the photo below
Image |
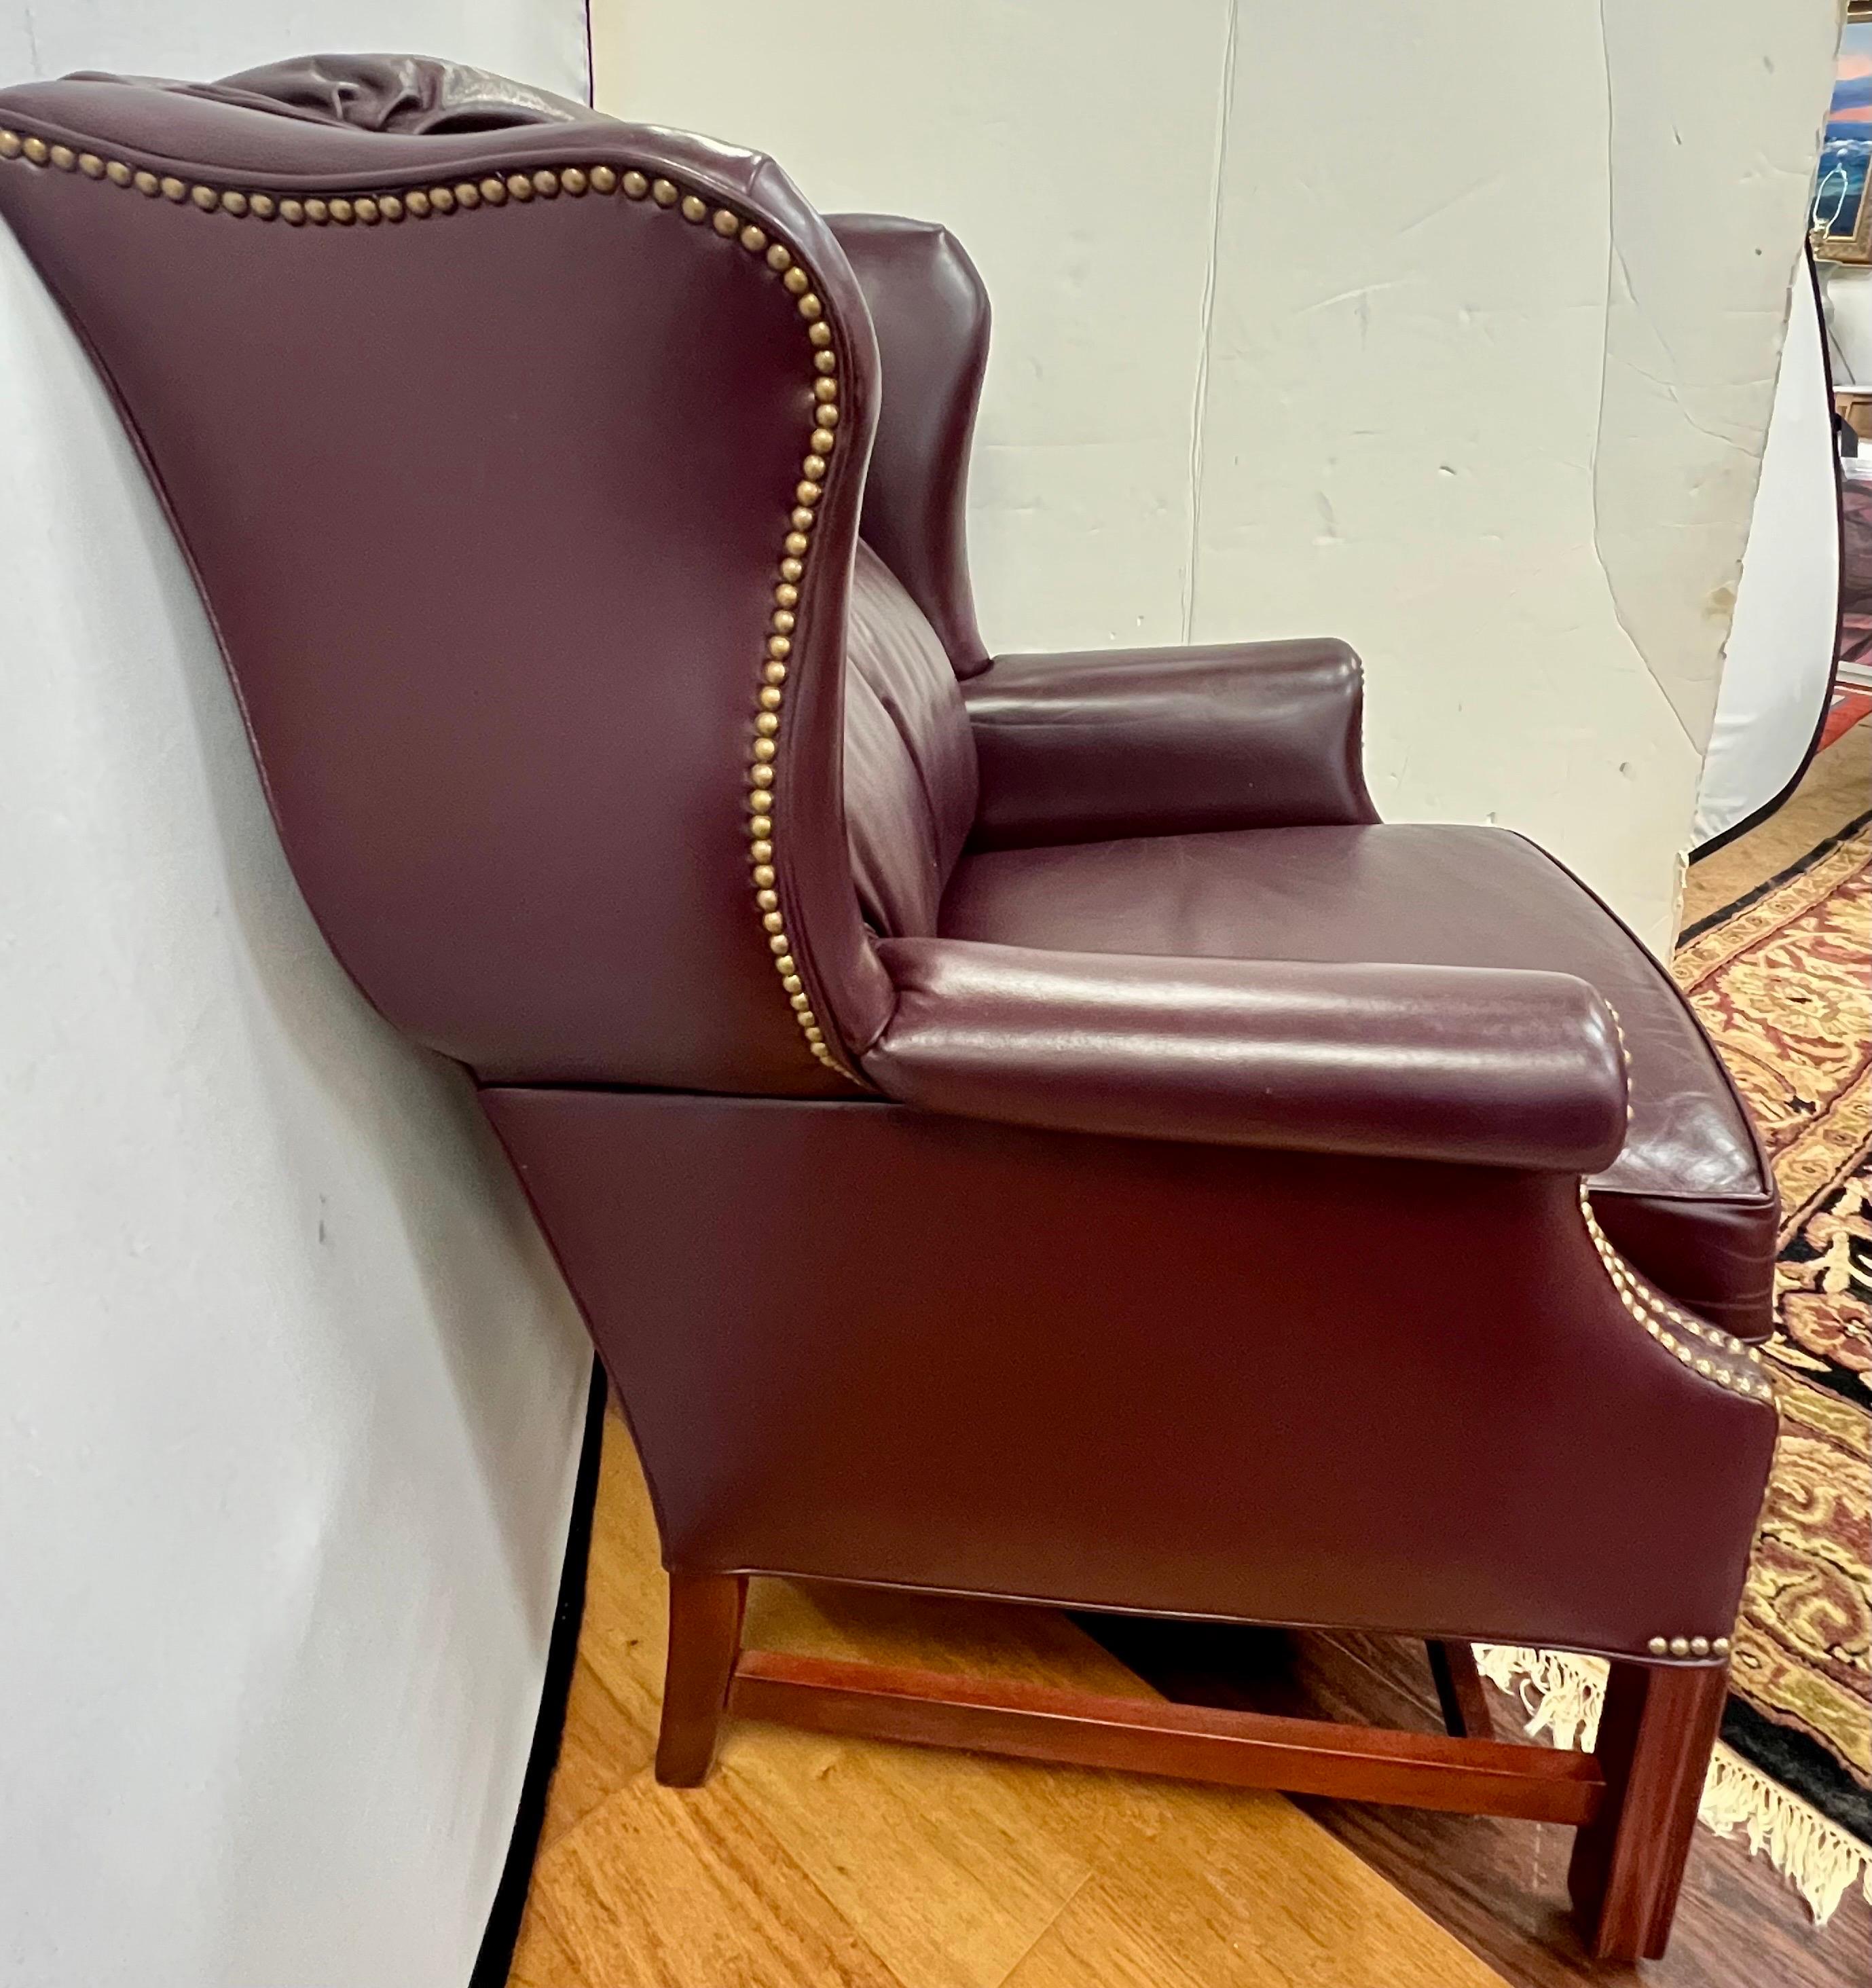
1842	219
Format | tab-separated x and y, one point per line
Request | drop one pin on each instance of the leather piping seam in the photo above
548	183
1731	1363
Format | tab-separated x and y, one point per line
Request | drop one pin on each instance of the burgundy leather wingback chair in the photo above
1021	1128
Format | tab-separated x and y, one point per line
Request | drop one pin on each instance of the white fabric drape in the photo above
290	1393
1779	658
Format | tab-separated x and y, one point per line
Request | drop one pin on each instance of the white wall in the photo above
1448	326
290	1391
1078	168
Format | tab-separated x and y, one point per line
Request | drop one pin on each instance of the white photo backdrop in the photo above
291	1394
1778	663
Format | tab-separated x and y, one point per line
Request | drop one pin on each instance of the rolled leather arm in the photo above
1480	1066
1167	741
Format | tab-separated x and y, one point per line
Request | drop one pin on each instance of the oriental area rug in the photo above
1781	976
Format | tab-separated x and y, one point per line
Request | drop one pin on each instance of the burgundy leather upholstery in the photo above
502	611
1103	1164
1127	741
1490	1068
1690	1172
909	764
930	312
904	1347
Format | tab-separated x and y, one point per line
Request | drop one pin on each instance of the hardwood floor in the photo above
845	1864
1500	1887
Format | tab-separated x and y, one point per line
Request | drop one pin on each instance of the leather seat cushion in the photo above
1689	1201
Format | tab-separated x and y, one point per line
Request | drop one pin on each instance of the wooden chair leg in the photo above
705	1612
1460	1691
1660	1725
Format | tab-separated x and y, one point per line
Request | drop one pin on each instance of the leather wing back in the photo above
929	308
518	454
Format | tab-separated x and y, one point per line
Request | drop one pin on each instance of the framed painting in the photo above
1841	226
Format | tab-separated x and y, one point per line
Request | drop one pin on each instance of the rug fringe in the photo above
1563	1694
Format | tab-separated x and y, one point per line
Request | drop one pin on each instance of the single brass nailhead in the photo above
547	182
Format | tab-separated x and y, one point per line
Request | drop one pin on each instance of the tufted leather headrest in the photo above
416	95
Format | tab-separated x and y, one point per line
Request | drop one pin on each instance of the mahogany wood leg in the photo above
1460	1691
705	1611
1661	1723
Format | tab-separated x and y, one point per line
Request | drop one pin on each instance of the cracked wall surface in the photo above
1450	328
1697	297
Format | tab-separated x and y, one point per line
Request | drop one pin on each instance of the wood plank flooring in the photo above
1501	1887
844	1864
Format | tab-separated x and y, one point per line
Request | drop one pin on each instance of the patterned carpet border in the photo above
1781	978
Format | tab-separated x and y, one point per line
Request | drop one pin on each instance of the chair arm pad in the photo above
1167	741
1475	1065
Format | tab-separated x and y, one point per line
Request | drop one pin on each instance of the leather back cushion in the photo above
910	761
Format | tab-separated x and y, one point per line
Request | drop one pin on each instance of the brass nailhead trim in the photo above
1731	1363
419	204
1688	1646
1624	1050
